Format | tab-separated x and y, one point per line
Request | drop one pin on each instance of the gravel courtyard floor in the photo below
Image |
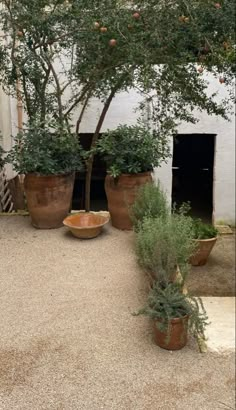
69	340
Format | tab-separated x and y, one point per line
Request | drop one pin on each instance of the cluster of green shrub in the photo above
164	244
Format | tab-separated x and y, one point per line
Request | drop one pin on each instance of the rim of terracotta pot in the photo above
34	174
175	320
131	175
206	240
106	220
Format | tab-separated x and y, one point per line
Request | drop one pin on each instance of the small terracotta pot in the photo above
48	198
204	248
86	225
121	194
177	337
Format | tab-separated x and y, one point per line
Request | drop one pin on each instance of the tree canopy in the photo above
56	55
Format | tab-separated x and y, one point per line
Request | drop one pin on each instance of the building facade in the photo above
202	167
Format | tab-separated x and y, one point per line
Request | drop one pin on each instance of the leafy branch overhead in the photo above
87	46
56	55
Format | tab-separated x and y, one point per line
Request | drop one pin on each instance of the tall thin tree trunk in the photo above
94	140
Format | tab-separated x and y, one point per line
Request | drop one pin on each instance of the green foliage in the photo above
36	38
58	54
131	150
162	244
155	53
169	303
150	202
46	150
1	156
204	231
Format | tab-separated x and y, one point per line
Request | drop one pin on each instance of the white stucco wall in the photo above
6	127
122	111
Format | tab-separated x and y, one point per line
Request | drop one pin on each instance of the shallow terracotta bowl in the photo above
86	225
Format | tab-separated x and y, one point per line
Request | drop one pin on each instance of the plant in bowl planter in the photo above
205	236
150	202
174	315
164	247
130	153
48	155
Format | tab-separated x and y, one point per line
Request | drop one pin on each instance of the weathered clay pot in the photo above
48	199
177	337
204	248
121	194
86	225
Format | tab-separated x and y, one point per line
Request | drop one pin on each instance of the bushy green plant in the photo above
203	230
131	150
46	150
166	303
150	202
163	244
1	157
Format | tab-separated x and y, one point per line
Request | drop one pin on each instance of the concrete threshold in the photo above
221	331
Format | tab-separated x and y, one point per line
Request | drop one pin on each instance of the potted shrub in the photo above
130	153
48	155
174	315
205	236
164	247
1	156
150	202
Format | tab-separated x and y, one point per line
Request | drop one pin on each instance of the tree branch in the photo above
82	112
94	140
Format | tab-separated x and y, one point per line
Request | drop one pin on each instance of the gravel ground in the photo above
217	277
69	341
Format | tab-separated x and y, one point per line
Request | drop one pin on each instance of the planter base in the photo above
48	199
121	195
178	336
203	251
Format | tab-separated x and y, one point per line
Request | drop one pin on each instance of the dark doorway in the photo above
98	195
193	169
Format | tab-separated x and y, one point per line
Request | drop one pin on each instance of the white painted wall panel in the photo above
122	111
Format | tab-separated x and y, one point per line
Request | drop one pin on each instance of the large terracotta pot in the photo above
48	199
204	248
121	194
177	337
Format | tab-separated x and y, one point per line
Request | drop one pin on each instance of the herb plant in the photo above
163	244
166	303
203	230
150	202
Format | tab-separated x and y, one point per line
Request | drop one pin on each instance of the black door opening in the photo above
193	169
98	195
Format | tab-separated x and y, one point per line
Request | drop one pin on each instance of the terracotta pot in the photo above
86	225
178	336
48	199
121	194
204	248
